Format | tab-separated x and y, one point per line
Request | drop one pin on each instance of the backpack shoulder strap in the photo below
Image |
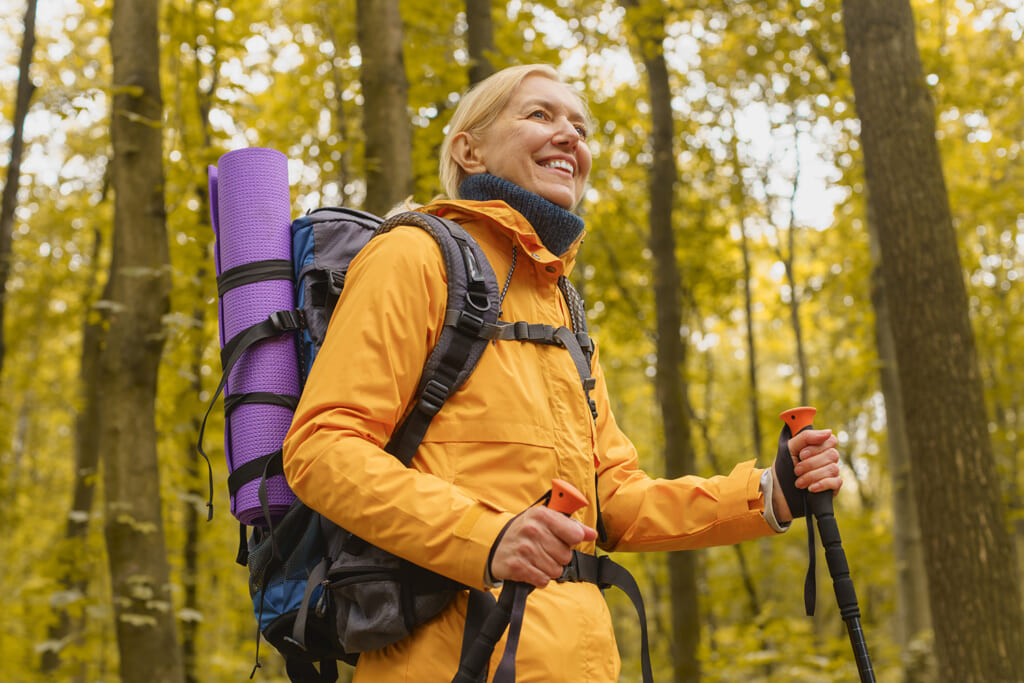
473	305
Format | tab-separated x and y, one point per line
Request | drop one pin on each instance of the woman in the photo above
516	158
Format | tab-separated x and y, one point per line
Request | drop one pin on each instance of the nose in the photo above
566	134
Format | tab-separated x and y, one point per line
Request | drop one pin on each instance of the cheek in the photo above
585	162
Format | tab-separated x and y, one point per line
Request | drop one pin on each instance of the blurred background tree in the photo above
759	140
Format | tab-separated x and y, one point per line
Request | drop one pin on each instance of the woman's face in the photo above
537	142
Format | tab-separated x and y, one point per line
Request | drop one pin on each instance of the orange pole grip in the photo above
799	419
565	497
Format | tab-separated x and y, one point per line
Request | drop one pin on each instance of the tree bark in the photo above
135	300
341	123
9	200
914	623
670	380
788	262
75	567
479	39
973	584
386	125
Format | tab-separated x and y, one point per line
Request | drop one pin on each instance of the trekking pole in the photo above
564	498
820	504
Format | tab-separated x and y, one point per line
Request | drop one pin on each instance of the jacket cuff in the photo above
482	526
767	487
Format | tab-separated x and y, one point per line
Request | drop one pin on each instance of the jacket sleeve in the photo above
643	513
385	324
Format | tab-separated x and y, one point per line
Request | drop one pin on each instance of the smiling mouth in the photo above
559	165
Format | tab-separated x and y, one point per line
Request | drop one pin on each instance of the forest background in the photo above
732	124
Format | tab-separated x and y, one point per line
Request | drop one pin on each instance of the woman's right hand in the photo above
536	545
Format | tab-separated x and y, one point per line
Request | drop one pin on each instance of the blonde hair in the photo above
480	107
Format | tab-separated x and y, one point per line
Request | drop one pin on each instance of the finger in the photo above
537	543
813	461
571	531
827	484
526	562
808	439
825	477
526	572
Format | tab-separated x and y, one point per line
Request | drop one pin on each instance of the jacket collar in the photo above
500	216
558	228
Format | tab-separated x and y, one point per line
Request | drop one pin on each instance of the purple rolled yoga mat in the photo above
252	219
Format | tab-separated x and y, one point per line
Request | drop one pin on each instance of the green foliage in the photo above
756	87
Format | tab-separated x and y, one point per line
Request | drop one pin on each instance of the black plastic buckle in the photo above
336	281
287	321
469	324
571	571
434	396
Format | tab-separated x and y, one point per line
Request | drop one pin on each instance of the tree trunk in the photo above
788	261
75	564
9	200
386	125
670	380
479	39
748	307
341	125
914	623
973	584
194	502
197	482
135	299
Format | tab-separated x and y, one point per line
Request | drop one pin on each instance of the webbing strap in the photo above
316	577
255	271
277	323
506	671
578	344
480	604
796	498
605	573
266	466
571	343
473	662
601	571
435	392
232	401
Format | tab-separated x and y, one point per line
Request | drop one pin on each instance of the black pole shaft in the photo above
846	597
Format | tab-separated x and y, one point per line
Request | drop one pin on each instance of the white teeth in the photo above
560	164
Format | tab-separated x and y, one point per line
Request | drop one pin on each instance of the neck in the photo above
557	228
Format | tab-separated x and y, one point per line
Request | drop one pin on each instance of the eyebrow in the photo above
551	106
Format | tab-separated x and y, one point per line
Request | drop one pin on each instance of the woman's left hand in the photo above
816	465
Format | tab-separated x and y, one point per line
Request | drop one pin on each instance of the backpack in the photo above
321	594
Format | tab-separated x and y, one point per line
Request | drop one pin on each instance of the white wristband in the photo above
767	487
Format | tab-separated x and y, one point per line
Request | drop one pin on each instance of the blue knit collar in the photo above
557	228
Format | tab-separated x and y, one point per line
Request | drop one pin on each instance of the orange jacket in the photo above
520	420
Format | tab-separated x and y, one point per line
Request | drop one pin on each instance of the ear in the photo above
465	151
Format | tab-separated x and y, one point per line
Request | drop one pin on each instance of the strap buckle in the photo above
573	572
434	396
287	320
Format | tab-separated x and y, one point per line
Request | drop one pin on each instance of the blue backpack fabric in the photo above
292	561
321	594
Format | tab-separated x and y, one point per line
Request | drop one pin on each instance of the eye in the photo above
581	130
538	114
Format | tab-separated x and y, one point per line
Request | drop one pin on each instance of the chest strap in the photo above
487	621
578	344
